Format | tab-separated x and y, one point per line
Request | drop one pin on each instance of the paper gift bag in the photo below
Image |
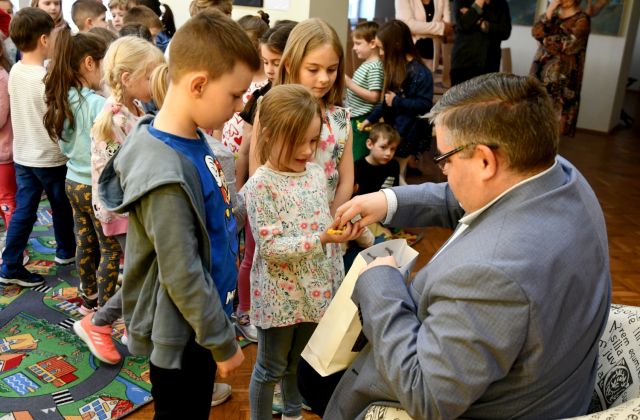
334	344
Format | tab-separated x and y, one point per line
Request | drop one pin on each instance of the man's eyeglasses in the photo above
441	159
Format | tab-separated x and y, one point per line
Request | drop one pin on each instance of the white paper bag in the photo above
331	347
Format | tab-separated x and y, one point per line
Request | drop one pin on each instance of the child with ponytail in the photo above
71	82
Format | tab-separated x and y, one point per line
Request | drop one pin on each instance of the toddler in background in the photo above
363	91
378	169
74	75
38	162
297	264
127	65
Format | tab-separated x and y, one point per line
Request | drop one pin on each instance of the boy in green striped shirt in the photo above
363	91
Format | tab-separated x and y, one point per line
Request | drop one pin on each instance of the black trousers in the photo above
186	392
315	389
463	74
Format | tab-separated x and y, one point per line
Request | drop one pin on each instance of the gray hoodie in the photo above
168	293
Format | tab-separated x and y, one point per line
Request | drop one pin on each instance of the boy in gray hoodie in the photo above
180	269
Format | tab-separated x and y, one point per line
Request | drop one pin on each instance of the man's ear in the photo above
197	84
487	160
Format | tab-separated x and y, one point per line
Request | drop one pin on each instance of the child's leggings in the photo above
97	255
244	273
8	190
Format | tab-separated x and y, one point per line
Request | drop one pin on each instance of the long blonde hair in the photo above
127	54
305	37
159	84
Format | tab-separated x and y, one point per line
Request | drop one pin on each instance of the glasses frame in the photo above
440	159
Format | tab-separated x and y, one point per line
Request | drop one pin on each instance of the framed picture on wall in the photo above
523	12
607	16
250	3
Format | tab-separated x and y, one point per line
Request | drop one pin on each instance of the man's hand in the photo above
371	208
229	367
390	261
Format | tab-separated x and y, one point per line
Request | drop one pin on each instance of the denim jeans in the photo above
277	360
31	181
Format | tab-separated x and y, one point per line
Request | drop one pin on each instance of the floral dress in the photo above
333	139
559	62
293	277
103	150
233	129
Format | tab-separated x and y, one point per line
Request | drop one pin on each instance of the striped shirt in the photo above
31	143
370	75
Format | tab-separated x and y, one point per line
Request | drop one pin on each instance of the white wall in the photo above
605	73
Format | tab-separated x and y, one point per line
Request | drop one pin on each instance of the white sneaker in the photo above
221	393
65	261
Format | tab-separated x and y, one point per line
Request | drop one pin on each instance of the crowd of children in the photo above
117	139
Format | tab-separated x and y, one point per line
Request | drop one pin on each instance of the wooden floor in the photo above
611	163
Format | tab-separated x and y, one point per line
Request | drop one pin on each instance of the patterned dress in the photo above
103	150
233	129
293	277
333	139
559	62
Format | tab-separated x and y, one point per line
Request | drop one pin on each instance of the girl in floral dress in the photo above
297	261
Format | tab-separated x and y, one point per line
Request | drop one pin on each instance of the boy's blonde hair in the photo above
286	112
211	42
305	37
159	84
223	6
384	131
143	15
128	54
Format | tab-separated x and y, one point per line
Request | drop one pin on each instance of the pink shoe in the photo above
98	339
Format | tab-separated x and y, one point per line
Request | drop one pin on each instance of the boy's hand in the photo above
229	367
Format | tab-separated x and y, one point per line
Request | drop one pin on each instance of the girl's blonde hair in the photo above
159	84
286	112
305	37
127	54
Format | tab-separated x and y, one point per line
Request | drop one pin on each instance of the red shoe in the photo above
98	339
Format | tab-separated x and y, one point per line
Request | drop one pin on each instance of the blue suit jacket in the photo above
504	323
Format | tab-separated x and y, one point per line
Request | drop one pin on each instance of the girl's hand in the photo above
338	234
388	98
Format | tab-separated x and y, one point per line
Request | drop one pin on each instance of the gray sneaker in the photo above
221	393
244	325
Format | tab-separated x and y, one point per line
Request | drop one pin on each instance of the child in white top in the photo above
298	262
38	161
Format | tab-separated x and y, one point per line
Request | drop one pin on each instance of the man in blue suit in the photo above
505	319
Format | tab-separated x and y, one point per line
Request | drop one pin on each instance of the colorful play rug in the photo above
46	371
